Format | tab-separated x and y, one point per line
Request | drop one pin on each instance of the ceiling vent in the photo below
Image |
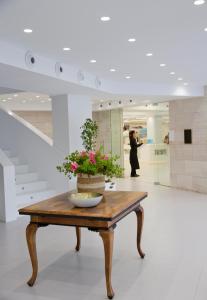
80	76
97	82
58	69
30	59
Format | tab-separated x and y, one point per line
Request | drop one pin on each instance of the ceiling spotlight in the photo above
128	77
15	95
205	29
4	100
112	70
37	96
180	78
9	98
162	65
199	2
49	99
66	49
105	19
172	73
28	30
93	61
185	83
132	40
149	54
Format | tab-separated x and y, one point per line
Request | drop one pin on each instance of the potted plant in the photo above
91	166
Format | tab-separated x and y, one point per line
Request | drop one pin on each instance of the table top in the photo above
113	204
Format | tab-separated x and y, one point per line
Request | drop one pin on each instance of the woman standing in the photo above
133	153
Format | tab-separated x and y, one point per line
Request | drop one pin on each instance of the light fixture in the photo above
162	65
185	83
128	77
66	49
105	19
15	95
28	30
112	70
93	61
180	78
49	99
172	73
4	100
199	2
9	98
131	40
37	96
205	29
149	54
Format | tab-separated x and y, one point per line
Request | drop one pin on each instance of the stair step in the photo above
26	177
21	169
24	188
15	160
33	197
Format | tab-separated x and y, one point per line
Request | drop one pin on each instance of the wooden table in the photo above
102	218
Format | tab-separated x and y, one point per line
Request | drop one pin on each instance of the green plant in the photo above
89	134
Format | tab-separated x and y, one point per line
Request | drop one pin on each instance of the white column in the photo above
154	129
69	113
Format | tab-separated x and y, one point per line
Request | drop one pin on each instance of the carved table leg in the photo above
31	243
78	235
108	239
140	219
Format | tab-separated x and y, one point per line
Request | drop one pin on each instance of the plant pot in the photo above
91	183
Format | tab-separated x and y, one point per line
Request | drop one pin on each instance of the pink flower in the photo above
105	157
92	157
74	166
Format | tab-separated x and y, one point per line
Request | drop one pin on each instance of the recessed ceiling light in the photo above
185	83
112	70
180	78
9	98
172	73
49	99
199	2
162	65
28	30
132	40
93	61
4	100
105	19
15	95
128	77
66	49
37	96
149	54
205	29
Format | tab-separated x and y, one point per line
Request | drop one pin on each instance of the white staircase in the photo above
29	187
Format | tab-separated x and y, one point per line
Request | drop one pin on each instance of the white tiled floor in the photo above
174	240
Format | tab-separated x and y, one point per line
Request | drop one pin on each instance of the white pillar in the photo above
154	129
69	113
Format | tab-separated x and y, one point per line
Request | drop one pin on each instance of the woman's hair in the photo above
131	133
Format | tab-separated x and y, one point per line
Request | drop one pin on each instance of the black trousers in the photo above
133	171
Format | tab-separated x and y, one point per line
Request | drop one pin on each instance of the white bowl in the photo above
85	199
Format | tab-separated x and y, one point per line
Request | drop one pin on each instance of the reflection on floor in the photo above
174	241
152	171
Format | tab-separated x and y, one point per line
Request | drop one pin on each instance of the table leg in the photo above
78	235
140	219
31	243
108	239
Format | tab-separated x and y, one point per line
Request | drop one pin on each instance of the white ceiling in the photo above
172	30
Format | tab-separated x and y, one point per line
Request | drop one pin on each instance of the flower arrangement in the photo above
89	161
